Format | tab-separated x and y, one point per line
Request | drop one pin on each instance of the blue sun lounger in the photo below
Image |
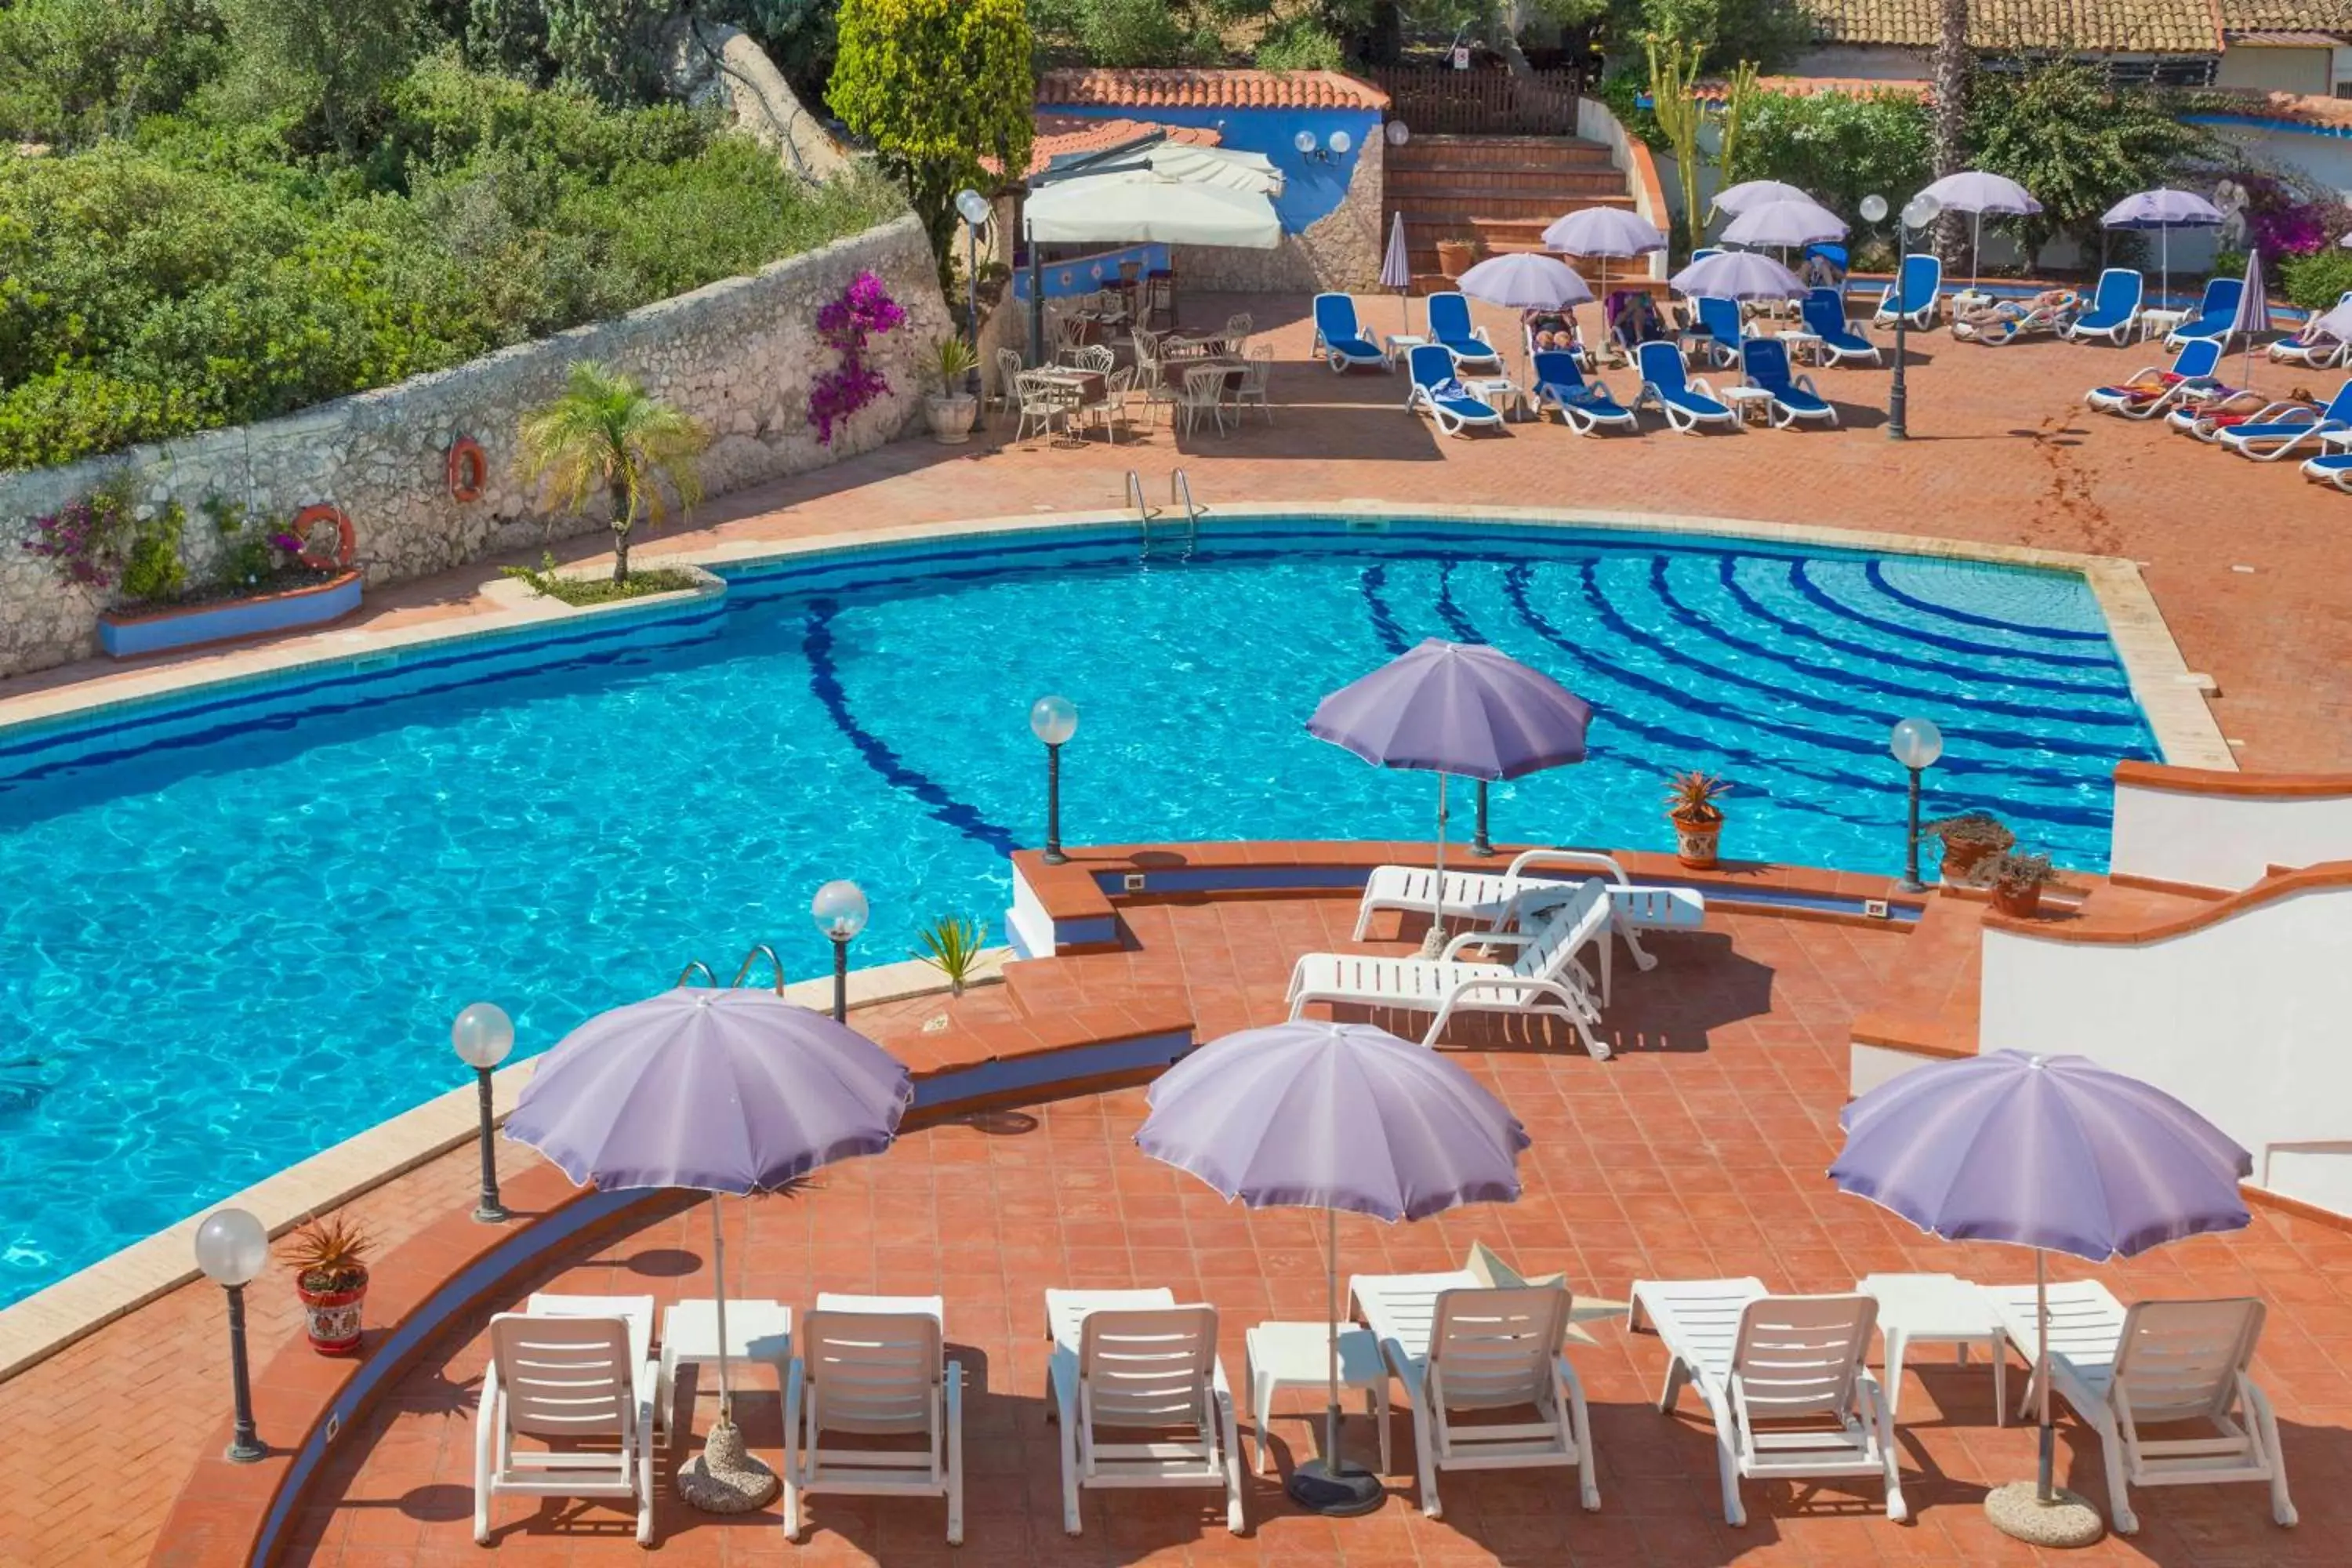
2115	309
1584	405
2216	314
2135	397
2279	429
1338	339
1435	389
1449	329
1921	279
1720	339
1823	314
1766	360
2330	469
1687	404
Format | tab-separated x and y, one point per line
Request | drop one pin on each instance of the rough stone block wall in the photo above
1342	251
740	355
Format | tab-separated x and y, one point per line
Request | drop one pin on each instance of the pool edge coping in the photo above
2168	695
40	1325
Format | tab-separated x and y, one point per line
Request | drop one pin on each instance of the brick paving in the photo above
1697	1151
2002	452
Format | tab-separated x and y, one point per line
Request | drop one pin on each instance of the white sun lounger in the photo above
2155	1363
1544	980
562	1375
1458	1345
1136	1361
1498	901
1759	1359
873	1367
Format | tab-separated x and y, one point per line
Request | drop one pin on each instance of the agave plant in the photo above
1690	796
952	945
330	1254
953	360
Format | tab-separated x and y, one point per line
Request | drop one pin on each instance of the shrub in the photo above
1299	44
2315	281
152	570
864	310
1842	147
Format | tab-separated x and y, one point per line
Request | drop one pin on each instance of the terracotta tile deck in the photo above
1697	1151
2002	452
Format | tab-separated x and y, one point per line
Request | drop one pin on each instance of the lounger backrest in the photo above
2119	295
1825	314
1430	365
1148	1367
1335	317
1449	318
1720	317
1704	251
1557	367
1922	275
2180	1360
871	1372
1565	930
562	1377
1766	361
1661	366
1492	1348
2339	407
1797	1355
2197	357
2222	296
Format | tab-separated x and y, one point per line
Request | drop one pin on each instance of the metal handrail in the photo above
1180	489
774	963
691	967
1143	512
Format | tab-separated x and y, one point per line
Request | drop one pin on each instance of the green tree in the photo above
1726	31
330	62
605	435
70	70
2078	143
1842	147
935	84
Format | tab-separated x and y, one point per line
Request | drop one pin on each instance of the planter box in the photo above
127	634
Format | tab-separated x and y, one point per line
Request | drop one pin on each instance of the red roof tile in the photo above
2095	26
1210	89
1809	86
1060	135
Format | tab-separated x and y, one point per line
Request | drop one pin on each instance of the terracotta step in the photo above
1502	208
1487	152
1549	188
1576	161
1524	234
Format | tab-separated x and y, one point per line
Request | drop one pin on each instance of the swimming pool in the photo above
245	918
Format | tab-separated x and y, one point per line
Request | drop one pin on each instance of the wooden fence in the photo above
1444	102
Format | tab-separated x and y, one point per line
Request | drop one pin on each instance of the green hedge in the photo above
200	273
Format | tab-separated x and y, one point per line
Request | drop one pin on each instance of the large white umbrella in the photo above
1977	193
1787	224
1220	166
1737	199
1136	206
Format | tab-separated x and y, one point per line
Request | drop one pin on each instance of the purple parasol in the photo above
1334	1116
1396	265
1984	194
2163	210
1739	275
2053	1153
724	1091
1737	199
1603	233
1801	221
1524	278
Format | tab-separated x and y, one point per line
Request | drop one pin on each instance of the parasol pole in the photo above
2045	1490
719	1292
1331	1301
1434	943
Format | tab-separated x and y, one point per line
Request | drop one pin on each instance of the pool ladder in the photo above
1180	492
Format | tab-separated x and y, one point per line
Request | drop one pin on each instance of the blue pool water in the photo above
240	925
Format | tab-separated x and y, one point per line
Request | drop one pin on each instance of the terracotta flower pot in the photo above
1960	854
1694	841
2023	902
1454	256
332	1316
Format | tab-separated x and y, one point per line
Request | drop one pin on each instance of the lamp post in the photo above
1916	743
1920	213
483	1035
1054	720
972	208
839	910
231	1248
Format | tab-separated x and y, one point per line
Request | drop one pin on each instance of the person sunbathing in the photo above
2005	316
1547	329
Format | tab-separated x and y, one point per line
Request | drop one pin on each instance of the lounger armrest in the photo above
1452	951
1698	383
1582	859
2284	412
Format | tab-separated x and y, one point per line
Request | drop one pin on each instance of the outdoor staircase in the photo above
1504	191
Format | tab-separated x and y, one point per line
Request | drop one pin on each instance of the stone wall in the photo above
740	355
1339	251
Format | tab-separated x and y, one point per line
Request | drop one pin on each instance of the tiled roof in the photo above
2280	38
2285	17
1210	89
2098	26
1061	135
1810	86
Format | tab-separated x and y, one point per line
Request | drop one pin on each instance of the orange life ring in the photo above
469	470
308	520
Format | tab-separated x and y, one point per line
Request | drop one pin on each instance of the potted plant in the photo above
1456	254
2016	881
952	945
1967	839
1699	821
952	409
331	1276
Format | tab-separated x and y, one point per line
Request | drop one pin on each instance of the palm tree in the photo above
605	433
1951	107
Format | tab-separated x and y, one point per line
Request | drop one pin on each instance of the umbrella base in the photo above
2067	1519
724	1477
1339	1495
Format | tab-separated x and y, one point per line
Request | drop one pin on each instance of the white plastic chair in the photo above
1458	1346
873	1367
2157	1363
1783	1378
1136	1362
564	1378
1257	378
1203	391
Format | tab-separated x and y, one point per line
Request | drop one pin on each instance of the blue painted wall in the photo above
1312	189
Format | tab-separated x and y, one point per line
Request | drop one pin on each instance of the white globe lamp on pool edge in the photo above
482	1036
232	1248
1916	743
1054	720
840	912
